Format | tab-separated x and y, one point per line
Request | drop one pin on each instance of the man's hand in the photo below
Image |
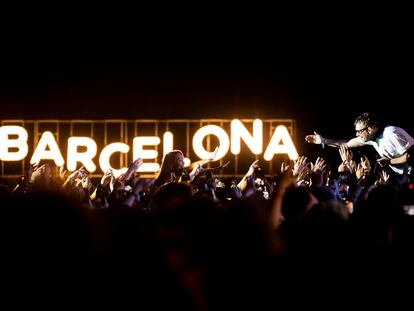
314	139
384	161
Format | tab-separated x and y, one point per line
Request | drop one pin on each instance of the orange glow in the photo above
14	144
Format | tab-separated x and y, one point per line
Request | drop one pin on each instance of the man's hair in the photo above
369	119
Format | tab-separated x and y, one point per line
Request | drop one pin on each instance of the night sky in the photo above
323	79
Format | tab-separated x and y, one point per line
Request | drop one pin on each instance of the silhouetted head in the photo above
297	202
173	160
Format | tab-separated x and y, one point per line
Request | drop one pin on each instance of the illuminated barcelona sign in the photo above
102	144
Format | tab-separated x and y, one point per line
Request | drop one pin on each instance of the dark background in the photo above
322	76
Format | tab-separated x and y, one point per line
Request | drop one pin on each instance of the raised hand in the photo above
42	175
252	167
132	168
107	177
62	173
300	166
360	173
385	176
345	153
318	171
284	166
213	156
198	168
86	182
320	165
243	182
210	159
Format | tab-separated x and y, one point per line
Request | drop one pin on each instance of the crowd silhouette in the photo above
189	239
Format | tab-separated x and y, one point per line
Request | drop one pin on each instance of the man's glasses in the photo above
361	130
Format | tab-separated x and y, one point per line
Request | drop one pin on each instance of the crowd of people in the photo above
193	240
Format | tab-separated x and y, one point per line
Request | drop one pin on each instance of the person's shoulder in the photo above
390	129
395	132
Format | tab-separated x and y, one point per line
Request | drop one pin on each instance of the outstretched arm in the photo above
336	143
402	159
243	182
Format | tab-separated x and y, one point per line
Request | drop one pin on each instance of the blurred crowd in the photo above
190	239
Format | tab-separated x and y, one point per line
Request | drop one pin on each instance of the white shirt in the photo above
392	143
